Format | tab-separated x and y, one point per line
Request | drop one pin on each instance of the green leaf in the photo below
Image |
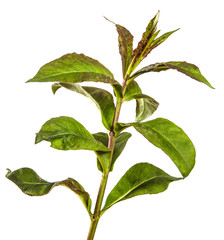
80	191
147	38
187	68
120	144
102	98
132	89
74	68
125	40
145	105
66	133
172	140
103	158
160	40
119	127
140	179
31	184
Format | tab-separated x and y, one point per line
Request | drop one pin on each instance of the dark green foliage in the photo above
65	133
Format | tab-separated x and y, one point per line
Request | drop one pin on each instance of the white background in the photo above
36	32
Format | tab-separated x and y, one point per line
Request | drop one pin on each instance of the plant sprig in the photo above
65	133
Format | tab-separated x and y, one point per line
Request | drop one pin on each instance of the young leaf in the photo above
145	105
142	178
187	68
172	140
66	133
74	68
160	40
125	40
119	127
31	184
120	144
147	38
102	98
132	89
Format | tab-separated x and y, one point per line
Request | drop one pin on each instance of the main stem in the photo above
111	143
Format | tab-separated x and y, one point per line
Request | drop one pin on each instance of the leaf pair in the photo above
31	184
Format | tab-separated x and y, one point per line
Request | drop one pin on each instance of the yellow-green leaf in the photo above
73	68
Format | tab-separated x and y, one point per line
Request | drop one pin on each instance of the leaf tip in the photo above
108	20
8	172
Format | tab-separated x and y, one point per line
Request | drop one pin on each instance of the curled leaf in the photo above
188	69
66	133
102	99
145	105
31	184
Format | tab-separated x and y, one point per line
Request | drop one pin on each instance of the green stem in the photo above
111	143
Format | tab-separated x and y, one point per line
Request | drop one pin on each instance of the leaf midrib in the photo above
71	134
172	146
119	199
69	72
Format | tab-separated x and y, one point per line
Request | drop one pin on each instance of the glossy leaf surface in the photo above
187	68
140	179
102	99
73	68
66	133
172	140
120	144
31	184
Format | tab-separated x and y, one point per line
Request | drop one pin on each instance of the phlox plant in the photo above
66	133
